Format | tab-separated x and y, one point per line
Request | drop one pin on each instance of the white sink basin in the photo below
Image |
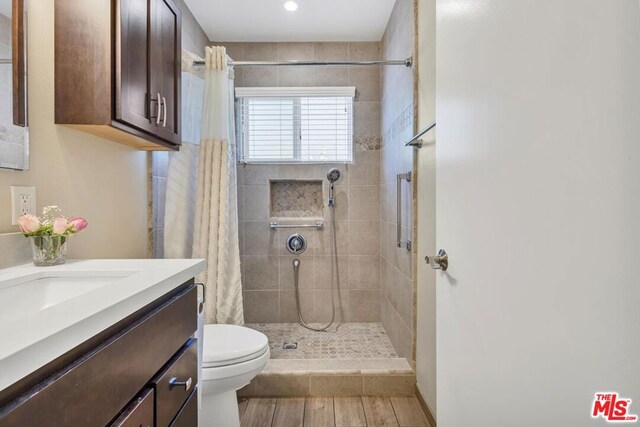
23	296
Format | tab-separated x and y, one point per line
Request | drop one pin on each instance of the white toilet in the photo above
231	357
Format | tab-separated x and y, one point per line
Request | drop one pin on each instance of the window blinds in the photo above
295	124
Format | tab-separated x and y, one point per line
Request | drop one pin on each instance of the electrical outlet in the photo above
23	201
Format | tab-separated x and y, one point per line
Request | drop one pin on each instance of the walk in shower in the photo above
349	225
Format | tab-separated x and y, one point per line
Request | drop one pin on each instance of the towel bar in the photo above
274	225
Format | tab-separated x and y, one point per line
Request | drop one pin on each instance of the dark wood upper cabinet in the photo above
166	66
118	67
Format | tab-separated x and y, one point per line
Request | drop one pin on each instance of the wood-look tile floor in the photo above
332	412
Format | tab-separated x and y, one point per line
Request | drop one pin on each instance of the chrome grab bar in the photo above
274	225
407	176
416	141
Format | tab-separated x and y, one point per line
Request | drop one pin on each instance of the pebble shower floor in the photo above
341	341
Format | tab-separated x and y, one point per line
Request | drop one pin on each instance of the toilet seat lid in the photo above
228	344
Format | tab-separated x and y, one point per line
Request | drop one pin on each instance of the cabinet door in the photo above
135	104
166	59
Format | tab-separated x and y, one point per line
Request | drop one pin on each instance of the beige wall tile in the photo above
260	272
260	306
335	385
322	308
325	272
260	51
384	248
330	76
390	284
366	121
366	168
364	306
388	202
405	301
364	272
366	79
296	51
325	244
331	51
405	339
298	76
259	77
260	174
364	51
364	238
288	308
259	239
364	202
305	272
255	202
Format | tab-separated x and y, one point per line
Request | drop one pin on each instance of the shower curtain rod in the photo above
406	62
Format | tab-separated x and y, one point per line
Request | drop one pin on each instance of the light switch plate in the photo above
23	201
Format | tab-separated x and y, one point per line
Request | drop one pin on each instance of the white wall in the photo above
103	181
426	234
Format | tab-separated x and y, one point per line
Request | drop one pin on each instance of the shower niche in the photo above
290	199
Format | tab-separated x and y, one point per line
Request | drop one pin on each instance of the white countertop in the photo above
30	340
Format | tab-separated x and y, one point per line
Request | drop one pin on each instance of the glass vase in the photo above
48	250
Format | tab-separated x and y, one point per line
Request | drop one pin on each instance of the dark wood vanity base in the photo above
140	371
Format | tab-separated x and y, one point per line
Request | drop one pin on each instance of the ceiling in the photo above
315	20
5	8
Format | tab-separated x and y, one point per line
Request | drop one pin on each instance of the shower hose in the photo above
296	271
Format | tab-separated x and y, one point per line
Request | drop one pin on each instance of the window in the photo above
295	125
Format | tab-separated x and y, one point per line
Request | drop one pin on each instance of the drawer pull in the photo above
173	382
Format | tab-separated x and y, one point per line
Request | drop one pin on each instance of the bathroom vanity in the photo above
101	342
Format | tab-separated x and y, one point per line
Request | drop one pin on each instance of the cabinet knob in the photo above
173	382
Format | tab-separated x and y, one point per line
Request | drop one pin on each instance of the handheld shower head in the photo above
333	175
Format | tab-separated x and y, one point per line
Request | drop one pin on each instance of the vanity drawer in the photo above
139	413
175	383
188	415
93	389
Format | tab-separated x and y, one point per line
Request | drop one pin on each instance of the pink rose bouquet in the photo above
48	234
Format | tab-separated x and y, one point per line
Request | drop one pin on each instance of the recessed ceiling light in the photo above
290	5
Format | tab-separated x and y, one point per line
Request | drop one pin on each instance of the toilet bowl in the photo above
231	357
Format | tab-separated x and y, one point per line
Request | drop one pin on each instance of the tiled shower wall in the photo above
397	126
269	294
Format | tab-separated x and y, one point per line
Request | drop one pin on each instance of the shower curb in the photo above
334	377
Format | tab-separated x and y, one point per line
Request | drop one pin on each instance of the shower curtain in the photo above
216	214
